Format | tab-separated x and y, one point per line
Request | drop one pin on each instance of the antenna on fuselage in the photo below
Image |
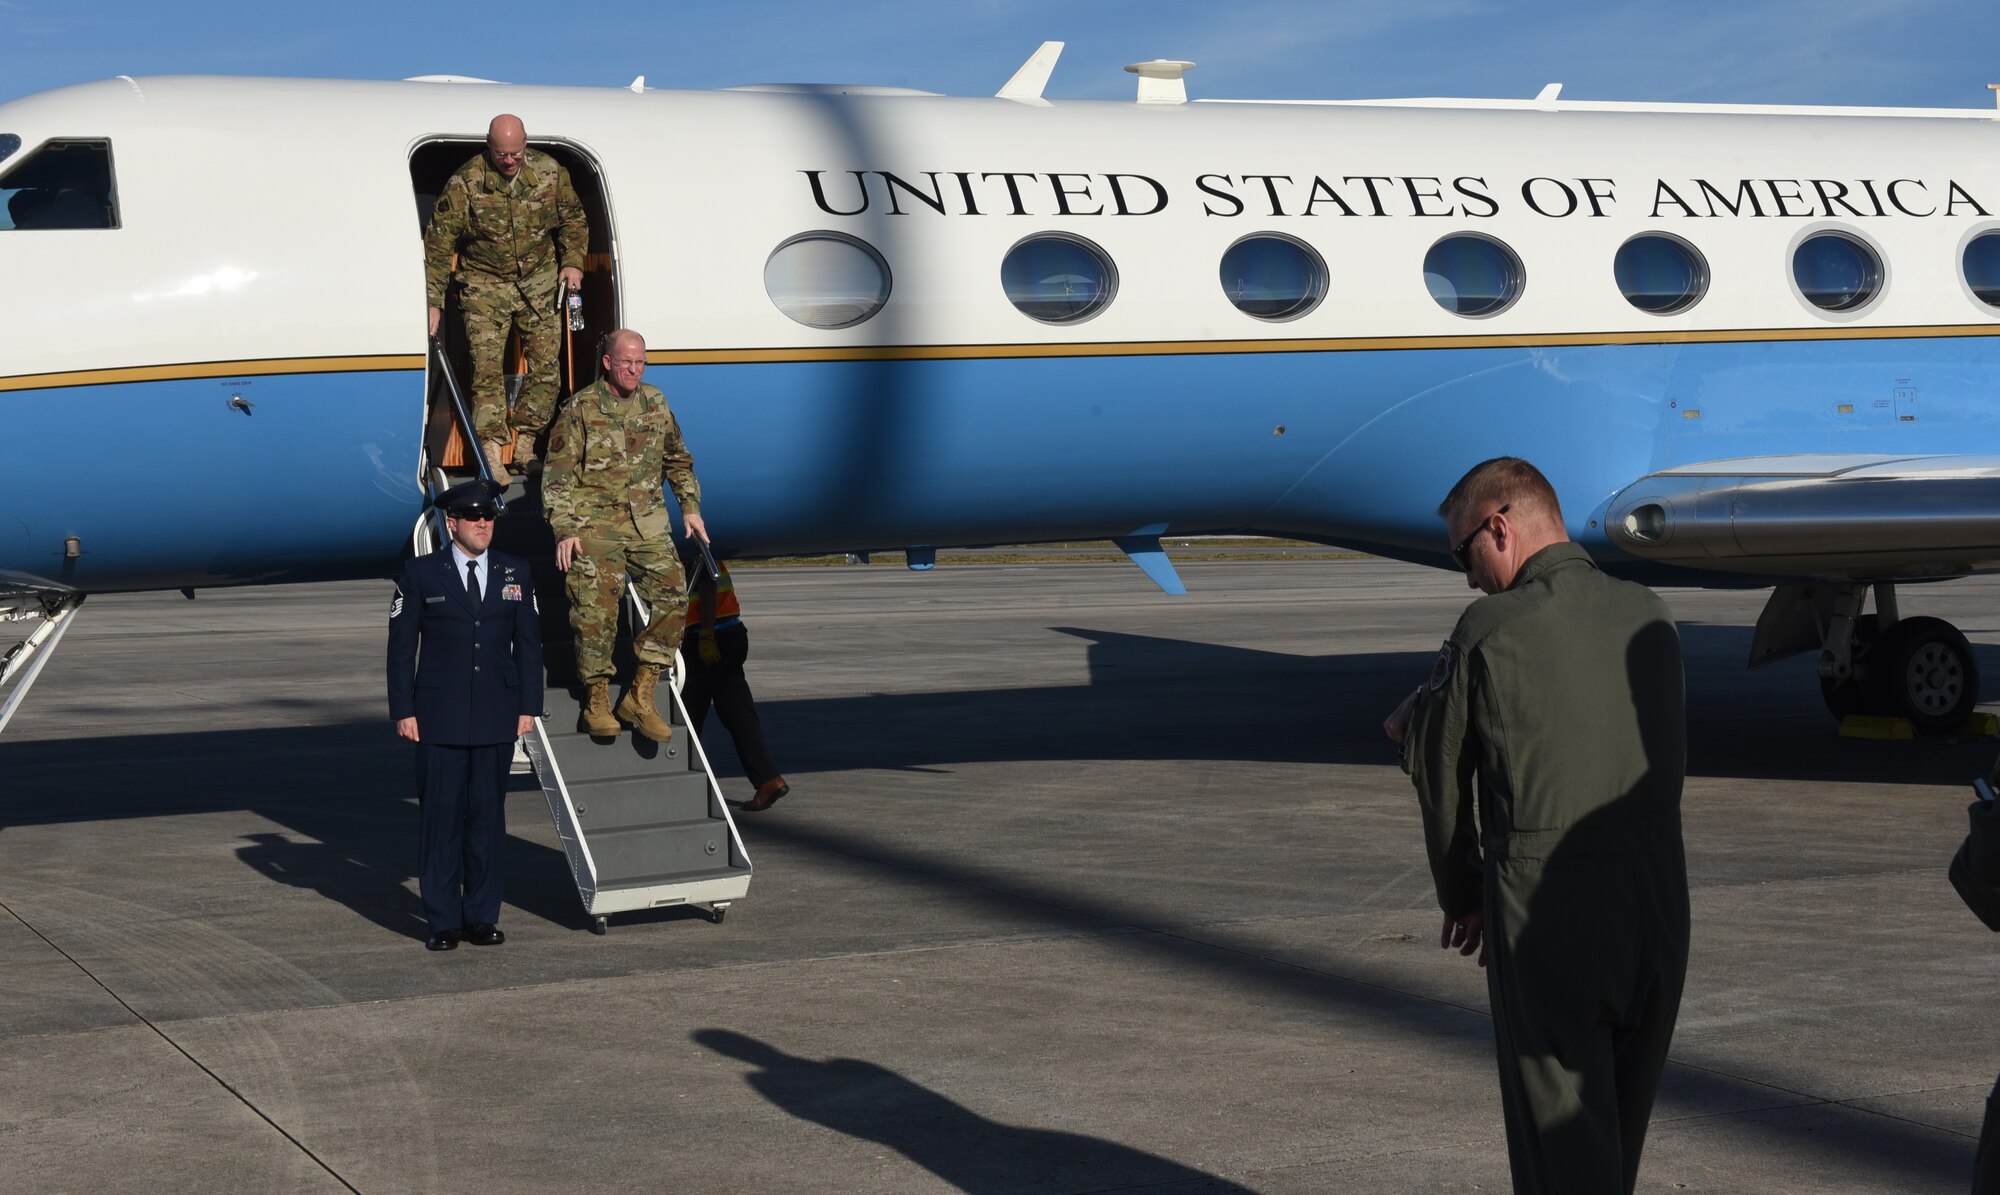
637	85
1028	82
1160	80
1545	99
1995	89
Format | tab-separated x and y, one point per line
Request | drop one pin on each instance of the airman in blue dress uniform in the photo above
465	681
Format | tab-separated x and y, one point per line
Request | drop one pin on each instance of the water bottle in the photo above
576	311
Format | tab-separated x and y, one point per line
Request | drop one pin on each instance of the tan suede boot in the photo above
637	705
525	460
597	719
496	459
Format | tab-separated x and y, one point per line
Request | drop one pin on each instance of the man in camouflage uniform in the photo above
1556	711
608	453
499	213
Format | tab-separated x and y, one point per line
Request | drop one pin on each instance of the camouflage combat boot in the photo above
496	459
637	705
597	719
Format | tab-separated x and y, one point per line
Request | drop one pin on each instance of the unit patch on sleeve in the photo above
1441	671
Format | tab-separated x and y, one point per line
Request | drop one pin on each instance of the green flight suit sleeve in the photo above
1441	753
560	470
448	224
572	229
677	466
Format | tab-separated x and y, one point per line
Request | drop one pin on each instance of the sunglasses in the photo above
473	514
1461	555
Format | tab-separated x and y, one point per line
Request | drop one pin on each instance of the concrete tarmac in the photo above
1079	888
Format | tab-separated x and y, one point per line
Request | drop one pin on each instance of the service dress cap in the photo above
477	492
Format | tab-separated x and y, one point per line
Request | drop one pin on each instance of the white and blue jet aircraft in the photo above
1751	346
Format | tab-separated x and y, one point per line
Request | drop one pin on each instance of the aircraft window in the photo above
827	280
1273	277
63	184
1982	267
8	144
1660	273
1473	275
1836	272
1058	279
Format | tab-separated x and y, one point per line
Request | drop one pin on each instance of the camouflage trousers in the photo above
491	306
596	584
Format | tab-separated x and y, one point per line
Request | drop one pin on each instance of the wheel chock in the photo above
1872	726
1981	726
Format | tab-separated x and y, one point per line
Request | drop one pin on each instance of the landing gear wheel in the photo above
717	912
1924	670
597	926
1852	696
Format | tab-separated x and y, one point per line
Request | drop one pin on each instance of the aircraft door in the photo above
431	164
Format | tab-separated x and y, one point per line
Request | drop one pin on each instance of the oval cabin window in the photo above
1982	267
1836	272
826	280
1473	275
1659	273
1058	279
1273	277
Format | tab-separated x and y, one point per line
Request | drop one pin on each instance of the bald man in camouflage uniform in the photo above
609	452
513	218
1556	711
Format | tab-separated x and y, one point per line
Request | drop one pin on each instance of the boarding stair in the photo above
643	824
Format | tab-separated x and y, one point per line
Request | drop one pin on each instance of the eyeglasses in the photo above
474	514
510	155
1462	554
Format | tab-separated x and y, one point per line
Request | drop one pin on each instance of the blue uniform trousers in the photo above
462	793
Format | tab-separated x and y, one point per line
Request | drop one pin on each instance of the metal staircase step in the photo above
684	877
603	805
584	759
623	856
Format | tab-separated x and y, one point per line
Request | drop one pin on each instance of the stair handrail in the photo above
464	413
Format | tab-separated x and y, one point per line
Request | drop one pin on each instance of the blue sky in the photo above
1897	52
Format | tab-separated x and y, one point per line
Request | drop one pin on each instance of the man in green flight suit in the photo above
499	213
1556	713
610	449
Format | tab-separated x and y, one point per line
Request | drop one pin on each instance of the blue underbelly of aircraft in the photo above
1351	447
165	485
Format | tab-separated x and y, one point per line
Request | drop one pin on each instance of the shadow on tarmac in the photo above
1163	699
963	1148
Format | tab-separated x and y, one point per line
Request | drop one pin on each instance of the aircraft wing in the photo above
1832	517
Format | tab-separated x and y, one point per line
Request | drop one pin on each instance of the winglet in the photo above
1143	546
1028	82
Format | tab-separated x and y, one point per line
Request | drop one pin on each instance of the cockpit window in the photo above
62	184
8	144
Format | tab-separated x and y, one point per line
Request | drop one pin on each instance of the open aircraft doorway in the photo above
431	164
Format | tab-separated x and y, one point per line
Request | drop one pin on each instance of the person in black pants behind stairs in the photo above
713	651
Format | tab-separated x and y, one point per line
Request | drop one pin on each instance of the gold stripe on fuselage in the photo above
1355	344
213	369
976	352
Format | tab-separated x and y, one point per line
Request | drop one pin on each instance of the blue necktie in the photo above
472	580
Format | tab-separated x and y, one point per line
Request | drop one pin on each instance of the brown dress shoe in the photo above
768	794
